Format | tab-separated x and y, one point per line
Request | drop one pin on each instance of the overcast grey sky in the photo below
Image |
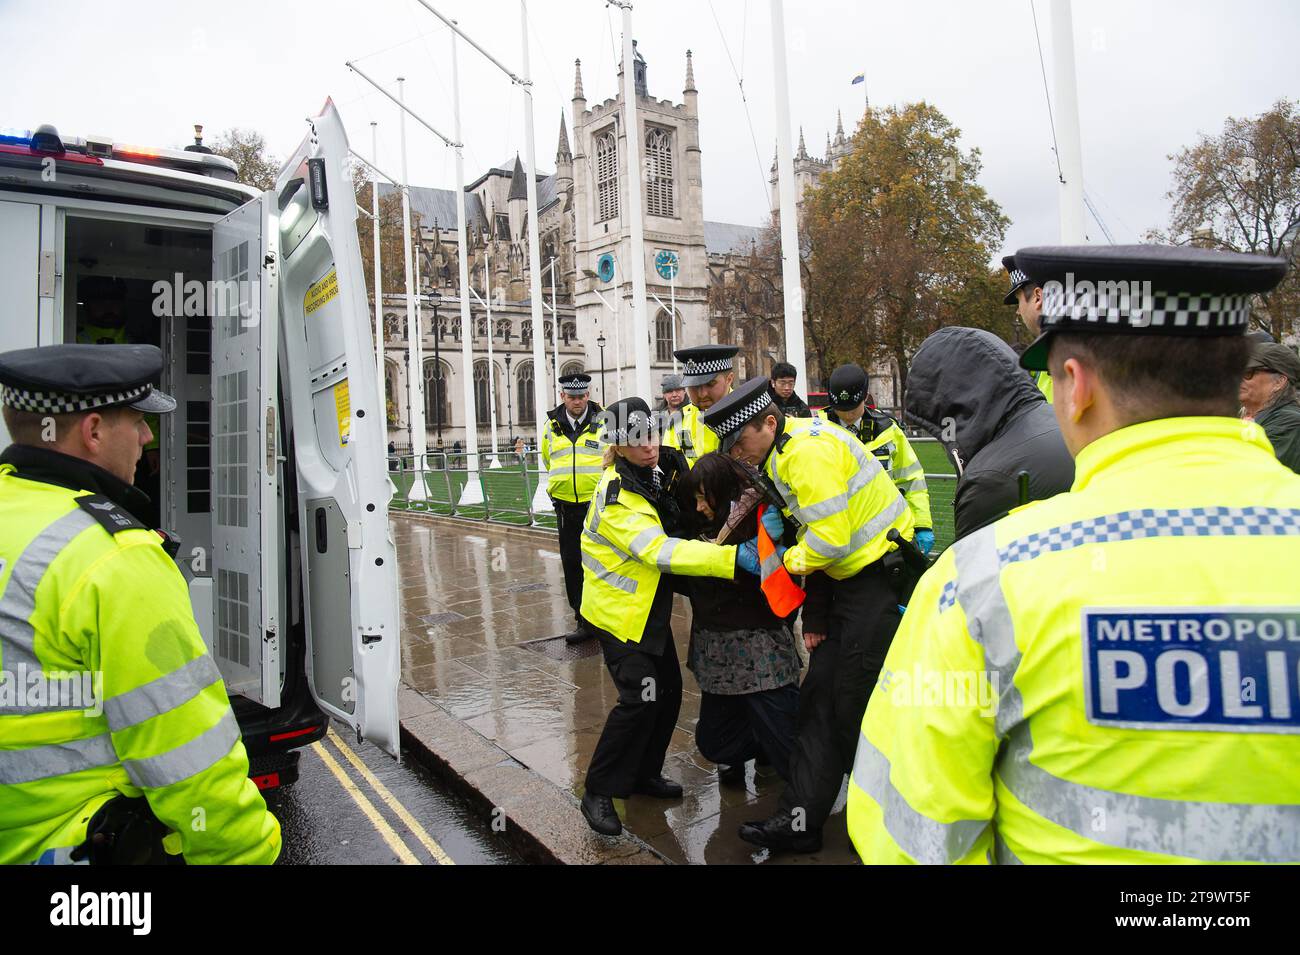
1152	75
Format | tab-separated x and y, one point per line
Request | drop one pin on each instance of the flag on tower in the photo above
860	78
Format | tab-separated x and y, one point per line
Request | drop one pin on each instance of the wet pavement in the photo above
479	602
354	804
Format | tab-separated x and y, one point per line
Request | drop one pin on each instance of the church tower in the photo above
673	228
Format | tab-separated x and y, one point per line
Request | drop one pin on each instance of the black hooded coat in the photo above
966	388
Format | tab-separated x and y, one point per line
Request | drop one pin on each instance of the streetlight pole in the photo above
439	383
600	343
510	412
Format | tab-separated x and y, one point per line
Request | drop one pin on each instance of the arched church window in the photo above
606	176
659	172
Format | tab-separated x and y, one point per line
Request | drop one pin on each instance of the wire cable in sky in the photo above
1046	95
740	83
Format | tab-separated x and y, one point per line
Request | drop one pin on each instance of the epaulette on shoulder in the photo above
611	491
110	515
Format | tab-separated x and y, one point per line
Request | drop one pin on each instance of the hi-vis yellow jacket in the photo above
108	689
1109	675
839	493
573	465
894	452
625	549
691	436
1043	380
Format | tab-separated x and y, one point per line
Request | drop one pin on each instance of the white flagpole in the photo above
472	493
379	295
414	379
540	391
636	214
791	280
493	461
555	333
1067	125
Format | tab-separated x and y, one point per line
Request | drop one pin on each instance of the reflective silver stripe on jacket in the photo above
868	468
1205	831
56	759
900	474
188	759
1143	524
161	695
608	576
988	620
926	841
18	603
562	452
1186	829
862	536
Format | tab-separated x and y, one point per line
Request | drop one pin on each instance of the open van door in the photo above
245	587
339	445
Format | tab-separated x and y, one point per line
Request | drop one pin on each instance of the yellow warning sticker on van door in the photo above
343	411
322	292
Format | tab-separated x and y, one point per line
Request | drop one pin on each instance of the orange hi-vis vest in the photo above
783	595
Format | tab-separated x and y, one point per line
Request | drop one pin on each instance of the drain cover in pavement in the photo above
526	588
554	648
435	619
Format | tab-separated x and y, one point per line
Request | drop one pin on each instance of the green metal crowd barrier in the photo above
509	483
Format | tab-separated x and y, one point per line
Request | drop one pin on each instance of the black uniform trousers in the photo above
638	730
569	519
733	728
842	671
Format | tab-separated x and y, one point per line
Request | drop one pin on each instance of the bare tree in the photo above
1240	191
246	148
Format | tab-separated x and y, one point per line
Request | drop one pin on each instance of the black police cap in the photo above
1143	290
847	387
728	416
702	363
575	384
59	379
1018	279
628	421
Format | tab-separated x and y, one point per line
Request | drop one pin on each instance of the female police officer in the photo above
627	549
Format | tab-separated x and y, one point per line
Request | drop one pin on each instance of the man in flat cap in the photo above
674	395
1108	675
1027	296
1268	397
88	595
708	372
571	454
846	506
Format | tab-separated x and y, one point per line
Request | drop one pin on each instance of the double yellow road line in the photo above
386	832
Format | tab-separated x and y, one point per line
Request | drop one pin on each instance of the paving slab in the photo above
489	706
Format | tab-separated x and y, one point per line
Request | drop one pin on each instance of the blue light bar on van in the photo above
15	137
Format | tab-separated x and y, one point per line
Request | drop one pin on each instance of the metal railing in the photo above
510	483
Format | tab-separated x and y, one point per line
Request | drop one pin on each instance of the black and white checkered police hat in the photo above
577	384
737	409
1018	279
1143	290
703	363
61	379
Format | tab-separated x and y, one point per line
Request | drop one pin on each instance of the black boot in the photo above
600	814
580	633
733	775
778	834
660	788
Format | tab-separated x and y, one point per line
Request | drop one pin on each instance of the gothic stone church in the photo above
583	218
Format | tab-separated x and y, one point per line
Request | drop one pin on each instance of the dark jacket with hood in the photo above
998	423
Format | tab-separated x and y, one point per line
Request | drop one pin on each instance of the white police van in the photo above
271	471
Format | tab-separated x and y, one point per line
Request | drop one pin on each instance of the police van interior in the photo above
270	475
